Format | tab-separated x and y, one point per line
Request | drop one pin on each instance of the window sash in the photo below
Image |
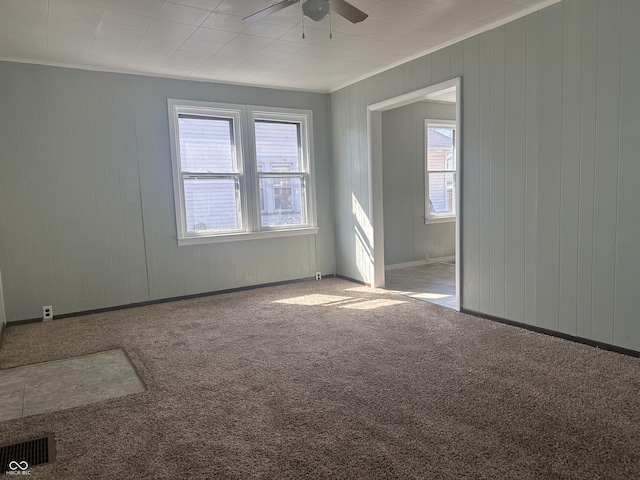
450	125
304	203
304	172
231	137
238	204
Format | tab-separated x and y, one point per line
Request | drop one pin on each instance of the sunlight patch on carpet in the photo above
365	289
371	304
313	299
427	296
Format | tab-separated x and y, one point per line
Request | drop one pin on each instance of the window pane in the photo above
441	148
206	144
282	201
442	193
211	204
278	146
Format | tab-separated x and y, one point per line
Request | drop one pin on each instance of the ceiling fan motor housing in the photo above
316	10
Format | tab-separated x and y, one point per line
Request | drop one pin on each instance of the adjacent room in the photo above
365	239
420	196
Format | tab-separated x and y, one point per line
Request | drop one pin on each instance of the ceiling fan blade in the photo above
265	12
348	11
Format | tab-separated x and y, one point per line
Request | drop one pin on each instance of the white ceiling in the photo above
208	40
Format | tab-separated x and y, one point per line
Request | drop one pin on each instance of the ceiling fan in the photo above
316	10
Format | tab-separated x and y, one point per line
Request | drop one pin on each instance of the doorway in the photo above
416	191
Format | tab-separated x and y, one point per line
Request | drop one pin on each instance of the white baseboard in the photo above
396	266
442	259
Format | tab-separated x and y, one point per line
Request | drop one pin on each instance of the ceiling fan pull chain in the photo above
302	23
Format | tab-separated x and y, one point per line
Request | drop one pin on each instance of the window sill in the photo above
440	220
236	237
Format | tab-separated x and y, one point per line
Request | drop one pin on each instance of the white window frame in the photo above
304	118
243	117
430	217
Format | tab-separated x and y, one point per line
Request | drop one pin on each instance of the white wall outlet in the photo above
318	276
47	313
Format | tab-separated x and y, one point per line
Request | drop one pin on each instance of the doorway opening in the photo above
414	145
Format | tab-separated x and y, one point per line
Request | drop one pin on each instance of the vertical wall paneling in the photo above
145	188
67	183
5	265
239	254
26	118
587	165
457	60
471	174
99	191
446	63
112	188
353	179
159	208
531	187
497	168
606	173
515	168
400	86
484	147
388	175
436	67
52	230
410	76
406	236
417	179
127	156
570	187
86	193
549	164
340	182
424	73
18	268
550	125
627	301
206	268
89	233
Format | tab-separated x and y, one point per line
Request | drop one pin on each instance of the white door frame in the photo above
374	136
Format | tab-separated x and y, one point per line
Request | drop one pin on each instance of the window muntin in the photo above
241	172
440	158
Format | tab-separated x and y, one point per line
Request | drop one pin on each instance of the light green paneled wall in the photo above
406	236
550	181
3	319
86	197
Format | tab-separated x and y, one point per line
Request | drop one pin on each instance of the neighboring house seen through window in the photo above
240	171
440	171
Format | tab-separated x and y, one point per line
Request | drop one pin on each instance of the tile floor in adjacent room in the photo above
433	282
47	387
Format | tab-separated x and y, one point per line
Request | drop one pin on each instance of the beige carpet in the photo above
334	382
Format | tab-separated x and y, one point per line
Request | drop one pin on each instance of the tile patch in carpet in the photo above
18	458
57	385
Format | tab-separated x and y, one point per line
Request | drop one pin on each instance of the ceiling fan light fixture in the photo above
316	10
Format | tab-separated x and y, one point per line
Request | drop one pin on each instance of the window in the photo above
440	171
240	171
